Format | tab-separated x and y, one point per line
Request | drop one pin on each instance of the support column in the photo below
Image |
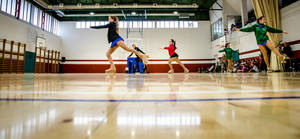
225	15
225	20
244	12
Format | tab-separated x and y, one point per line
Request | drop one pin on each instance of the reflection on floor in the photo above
254	105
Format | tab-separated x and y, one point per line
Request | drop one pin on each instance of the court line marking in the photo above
149	100
153	93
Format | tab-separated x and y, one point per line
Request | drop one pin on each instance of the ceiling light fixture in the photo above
195	5
61	5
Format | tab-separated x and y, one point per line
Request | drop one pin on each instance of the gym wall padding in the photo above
29	62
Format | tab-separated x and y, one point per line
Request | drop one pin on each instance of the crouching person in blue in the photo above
140	66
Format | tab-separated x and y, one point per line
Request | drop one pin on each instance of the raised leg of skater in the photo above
125	47
179	62
271	46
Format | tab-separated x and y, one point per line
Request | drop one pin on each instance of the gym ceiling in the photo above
85	10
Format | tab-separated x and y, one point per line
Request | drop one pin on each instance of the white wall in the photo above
92	43
249	5
245	42
232	7
290	19
19	31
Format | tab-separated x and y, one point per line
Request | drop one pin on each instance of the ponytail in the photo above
174	43
116	20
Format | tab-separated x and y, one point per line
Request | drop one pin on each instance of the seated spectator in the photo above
235	67
286	49
232	28
253	68
243	65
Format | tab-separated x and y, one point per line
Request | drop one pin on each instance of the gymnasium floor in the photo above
150	106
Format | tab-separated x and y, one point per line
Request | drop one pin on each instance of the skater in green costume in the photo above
228	53
260	29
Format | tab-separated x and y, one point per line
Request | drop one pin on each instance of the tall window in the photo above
167	24
145	24
13	7
92	23
176	24
88	24
8	8
217	30
28	9
3	5
186	24
129	24
125	24
172	24
31	14
151	24
121	24
181	25
35	16
22	9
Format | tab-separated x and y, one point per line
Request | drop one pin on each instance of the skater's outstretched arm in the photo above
246	29
102	26
222	50
166	48
275	30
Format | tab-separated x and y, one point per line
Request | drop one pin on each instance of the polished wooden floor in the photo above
150	106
